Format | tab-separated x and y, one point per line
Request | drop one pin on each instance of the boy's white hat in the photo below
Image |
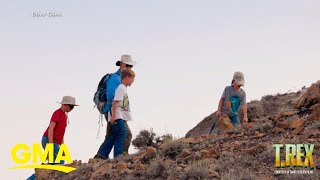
126	59
68	100
238	78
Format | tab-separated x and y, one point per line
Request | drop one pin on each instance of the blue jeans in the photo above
32	177
116	139
56	148
235	120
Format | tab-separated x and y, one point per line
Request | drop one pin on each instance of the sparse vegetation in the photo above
149	138
173	148
239	174
196	171
157	169
144	138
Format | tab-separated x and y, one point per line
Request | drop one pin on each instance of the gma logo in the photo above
27	155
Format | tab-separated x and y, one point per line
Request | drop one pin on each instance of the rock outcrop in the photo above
310	97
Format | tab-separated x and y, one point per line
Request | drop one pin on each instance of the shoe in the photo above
99	157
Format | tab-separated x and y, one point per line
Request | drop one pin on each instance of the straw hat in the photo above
126	59
68	100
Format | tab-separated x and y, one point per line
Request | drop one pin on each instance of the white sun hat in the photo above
127	60
68	100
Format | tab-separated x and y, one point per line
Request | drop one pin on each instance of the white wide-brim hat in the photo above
127	60
238	78
68	100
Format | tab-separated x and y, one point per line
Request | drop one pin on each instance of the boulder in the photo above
297	123
310	97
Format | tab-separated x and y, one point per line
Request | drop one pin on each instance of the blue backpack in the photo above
100	97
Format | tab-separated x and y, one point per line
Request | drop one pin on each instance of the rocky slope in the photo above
244	152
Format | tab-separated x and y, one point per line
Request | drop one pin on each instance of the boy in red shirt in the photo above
58	123
57	127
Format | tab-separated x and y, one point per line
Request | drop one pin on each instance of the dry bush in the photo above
157	169
204	144
164	138
148	138
247	160
173	148
267	156
144	138
239	174
225	160
195	147
196	171
173	173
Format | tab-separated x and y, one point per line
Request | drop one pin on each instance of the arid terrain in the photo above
244	152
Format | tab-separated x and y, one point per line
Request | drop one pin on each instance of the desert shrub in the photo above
247	160
195	147
172	173
156	169
149	138
173	148
267	156
196	171
144	138
239	174
164	138
204	144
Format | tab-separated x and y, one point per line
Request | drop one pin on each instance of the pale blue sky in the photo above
187	52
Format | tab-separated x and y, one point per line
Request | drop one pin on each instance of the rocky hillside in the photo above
244	152
267	108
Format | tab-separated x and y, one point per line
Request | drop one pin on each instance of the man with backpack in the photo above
112	81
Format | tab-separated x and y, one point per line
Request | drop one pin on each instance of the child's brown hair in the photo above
127	72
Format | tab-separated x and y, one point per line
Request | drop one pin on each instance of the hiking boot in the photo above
99	157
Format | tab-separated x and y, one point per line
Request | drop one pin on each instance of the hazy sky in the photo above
187	52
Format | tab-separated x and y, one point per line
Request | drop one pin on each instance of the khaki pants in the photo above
127	141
